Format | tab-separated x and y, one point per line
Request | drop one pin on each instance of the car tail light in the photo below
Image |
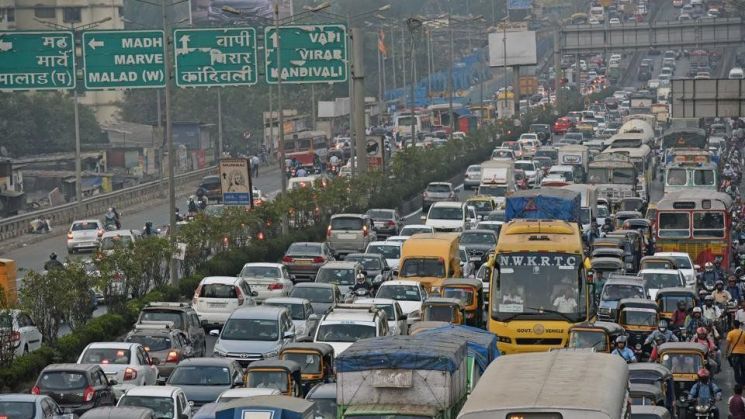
275	286
100	232
260	236
390	223
287	259
173	356
364	231
69	236
130	374
238	292
318	259
89	392
328	231
197	293
36	390
15	336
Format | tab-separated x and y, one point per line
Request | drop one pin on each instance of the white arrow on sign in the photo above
6	46
95	44
184	41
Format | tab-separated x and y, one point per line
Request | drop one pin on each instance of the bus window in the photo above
319	142
674	224
623	176
676	177
289	146
303	145
703	177
708	224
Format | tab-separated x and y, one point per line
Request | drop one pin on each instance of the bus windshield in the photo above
623	176
703	177
543	284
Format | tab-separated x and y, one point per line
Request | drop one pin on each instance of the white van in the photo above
736	73
598	12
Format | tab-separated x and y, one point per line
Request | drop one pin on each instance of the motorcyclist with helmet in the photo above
696	320
360	283
712	314
705	392
148	230
53	263
607	225
658	340
709	275
702	337
718	268
110	221
193	208
720	295
733	289
663	332
623	351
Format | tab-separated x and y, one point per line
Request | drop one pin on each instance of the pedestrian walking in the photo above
255	161
736	351
736	404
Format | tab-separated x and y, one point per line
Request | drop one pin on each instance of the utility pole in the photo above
358	78
171	151
219	123
380	86
281	122
352	134
412	117
78	164
393	58
451	117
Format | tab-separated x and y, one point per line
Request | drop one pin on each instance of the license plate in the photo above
346	236
217	304
303	262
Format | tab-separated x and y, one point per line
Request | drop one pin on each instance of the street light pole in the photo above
78	164
358	77
451	118
219	123
171	151
281	118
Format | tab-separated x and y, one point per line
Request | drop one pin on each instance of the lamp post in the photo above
413	24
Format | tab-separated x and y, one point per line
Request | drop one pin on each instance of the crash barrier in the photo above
93	207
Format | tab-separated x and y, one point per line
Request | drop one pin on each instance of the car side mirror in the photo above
161	381
204	323
254	293
404	317
214	332
423	217
154	361
238	382
697	267
396	272
292	278
387	269
289	335
113	382
314	317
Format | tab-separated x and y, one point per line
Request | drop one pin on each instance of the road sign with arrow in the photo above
124	59
215	57
37	60
309	53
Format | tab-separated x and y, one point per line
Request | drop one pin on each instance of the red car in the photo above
562	125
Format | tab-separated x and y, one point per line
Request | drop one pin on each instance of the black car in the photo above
478	242
76	388
203	379
386	222
184	318
211	188
375	267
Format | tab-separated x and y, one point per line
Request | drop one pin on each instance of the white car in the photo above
125	362
409	294
685	265
84	235
530	146
532	172
656	279
390	250
411	229
348	323
397	239
24	335
450	217
301	312
614	21
217	297
166	402
240	393
394	314
268	280
110	240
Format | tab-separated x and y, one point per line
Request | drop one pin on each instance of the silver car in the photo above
437	192
84	235
29	406
301	312
472	178
254	333
350	233
267	280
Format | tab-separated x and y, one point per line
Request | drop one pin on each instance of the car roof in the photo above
339	264
220	280
71	367
20	397
115	233
113	345
219	362
400	282
378	243
152	391
346	314
479	231
659	271
672	254
93	220
322	391
448	204
375	301
258	312
348	215
314	285
264	264
287	300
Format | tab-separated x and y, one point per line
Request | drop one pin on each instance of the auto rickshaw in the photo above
651	214
649	412
632	203
598	336
633	245
640	318
642	225
654	374
602	268
471	294
667	300
611	242
608	252
621	216
449	310
683	359
483	204
418	327
316	361
657	262
8	283
283	375
646	395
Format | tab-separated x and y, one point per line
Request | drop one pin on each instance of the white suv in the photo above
451	217
217	297
348	323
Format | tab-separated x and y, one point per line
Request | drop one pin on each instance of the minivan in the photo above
218	296
254	333
736	73
350	233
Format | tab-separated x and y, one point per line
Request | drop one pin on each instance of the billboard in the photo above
707	98
520	48
235	180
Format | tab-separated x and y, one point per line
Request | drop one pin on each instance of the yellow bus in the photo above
538	286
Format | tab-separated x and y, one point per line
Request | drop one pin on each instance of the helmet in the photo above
708	266
621	339
111	209
702	331
709	299
697	310
682	304
703	373
53	256
149	224
360	277
719	282
662	325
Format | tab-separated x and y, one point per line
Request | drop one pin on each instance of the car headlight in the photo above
219	351
272	354
702	408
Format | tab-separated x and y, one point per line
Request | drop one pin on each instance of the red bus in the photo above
306	147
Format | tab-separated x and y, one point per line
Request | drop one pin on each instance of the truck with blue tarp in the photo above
544	204
263	407
402	376
482	347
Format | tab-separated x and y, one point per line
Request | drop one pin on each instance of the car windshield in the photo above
388	251
63	380
380	214
478	238
492	190
638	318
84	226
335	276
400	293
617	292
314	294
162	407
267	379
200	375
346	223
106	356
437	188
466	296
109	243
423	267
17	410
297	311
662	280
603	211
163	316
682	363
524	166
270	272
588	339
496	216
445	213
304	249
309	363
481	206
410	231
151	343
390	311
367	262
250	329
344	332
218	291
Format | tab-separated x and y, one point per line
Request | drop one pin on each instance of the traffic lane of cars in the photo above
35	255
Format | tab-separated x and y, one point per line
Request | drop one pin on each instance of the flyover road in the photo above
33	256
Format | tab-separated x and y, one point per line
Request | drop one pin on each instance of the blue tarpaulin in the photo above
433	352
482	345
544	204
519	4
276	407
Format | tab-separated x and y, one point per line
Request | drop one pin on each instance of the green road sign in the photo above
37	60
215	57
310	53
124	59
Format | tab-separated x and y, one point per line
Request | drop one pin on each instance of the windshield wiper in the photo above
545	310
